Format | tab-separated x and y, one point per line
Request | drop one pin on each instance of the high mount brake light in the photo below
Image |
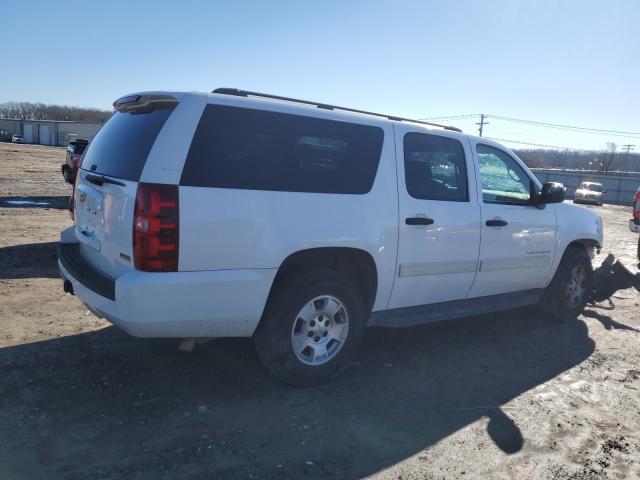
156	228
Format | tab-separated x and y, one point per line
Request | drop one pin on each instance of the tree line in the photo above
41	111
607	162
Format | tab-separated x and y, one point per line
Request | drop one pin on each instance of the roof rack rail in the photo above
246	93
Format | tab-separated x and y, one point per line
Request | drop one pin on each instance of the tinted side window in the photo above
435	168
503	179
262	150
121	147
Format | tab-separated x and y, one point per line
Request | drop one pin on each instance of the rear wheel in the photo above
66	173
572	284
311	328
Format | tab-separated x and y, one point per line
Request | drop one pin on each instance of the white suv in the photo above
242	214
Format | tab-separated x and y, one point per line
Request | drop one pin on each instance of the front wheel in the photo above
311	327
571	286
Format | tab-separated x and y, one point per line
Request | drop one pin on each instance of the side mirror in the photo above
552	192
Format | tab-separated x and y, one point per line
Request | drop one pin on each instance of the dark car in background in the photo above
75	149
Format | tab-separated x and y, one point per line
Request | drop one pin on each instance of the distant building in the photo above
50	132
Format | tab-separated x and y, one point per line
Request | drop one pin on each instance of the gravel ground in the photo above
509	395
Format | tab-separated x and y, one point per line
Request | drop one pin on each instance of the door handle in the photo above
418	221
496	222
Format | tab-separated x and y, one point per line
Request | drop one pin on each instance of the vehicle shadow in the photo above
34	260
105	405
57	202
607	322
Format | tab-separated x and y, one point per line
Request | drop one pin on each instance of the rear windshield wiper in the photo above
100	180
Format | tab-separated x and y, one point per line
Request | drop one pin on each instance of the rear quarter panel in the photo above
238	229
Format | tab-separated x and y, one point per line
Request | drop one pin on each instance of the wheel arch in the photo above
358	264
588	244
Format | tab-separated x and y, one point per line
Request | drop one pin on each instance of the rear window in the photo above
261	150
121	147
79	148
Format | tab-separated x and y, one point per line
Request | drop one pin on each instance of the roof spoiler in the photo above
143	102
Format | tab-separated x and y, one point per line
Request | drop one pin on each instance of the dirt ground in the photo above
512	395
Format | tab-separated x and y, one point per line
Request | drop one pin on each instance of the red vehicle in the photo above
75	149
634	223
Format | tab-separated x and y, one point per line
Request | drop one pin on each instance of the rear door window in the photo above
262	150
435	168
121	147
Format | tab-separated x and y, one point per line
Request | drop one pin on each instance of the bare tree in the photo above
40	111
607	159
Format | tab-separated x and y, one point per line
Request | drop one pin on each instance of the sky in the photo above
571	62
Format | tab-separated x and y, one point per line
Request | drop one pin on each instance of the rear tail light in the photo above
156	228
636	205
75	160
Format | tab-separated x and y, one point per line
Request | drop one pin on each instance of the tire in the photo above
283	321
570	289
66	175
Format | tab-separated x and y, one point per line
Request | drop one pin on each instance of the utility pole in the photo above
482	123
628	147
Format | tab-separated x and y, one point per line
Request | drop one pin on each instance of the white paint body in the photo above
233	241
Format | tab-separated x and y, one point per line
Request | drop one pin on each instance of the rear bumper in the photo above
634	225
222	303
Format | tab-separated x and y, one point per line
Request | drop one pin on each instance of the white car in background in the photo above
17	139
235	213
589	192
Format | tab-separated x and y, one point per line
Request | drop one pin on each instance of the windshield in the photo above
592	187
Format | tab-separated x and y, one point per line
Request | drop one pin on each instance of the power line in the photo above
530	143
599	131
452	117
